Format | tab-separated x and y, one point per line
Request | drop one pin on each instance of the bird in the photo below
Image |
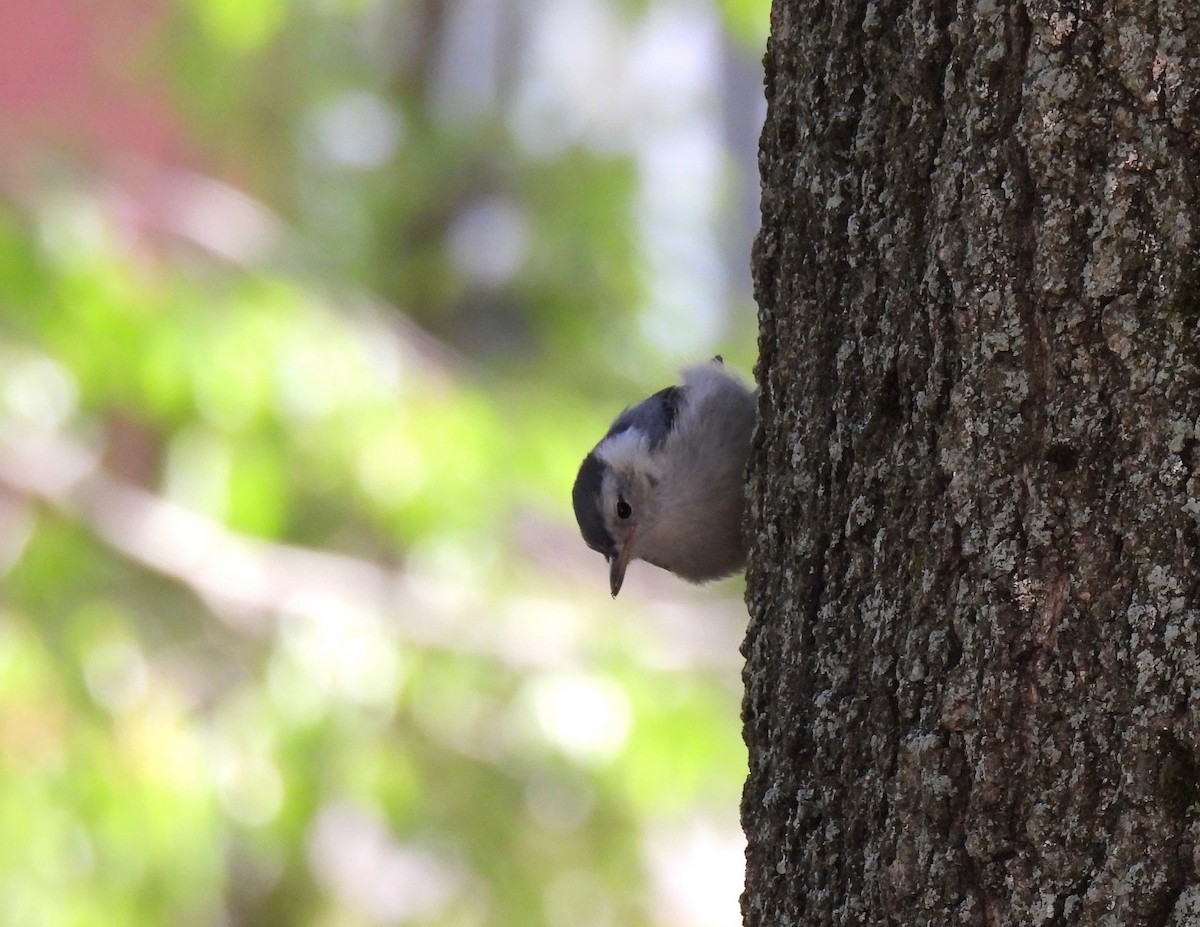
666	484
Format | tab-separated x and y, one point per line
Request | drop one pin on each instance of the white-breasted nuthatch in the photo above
667	483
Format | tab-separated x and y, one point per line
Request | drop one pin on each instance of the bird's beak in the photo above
616	566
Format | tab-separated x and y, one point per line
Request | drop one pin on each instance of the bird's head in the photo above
615	498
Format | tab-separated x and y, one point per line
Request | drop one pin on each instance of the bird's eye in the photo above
623	509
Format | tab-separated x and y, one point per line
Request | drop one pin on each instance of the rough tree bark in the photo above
972	681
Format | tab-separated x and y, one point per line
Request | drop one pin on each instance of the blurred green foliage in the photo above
295	627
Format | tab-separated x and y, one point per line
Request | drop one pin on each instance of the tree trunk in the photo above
972	683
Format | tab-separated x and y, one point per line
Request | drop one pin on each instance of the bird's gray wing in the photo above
654	417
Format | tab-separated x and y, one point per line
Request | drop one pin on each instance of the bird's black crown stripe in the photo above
585	496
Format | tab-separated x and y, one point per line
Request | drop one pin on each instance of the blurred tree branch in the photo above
242	579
